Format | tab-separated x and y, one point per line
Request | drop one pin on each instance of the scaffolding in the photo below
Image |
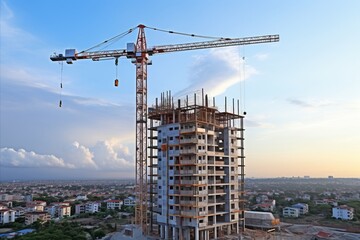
196	166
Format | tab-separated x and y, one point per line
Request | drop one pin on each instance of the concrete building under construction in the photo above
196	168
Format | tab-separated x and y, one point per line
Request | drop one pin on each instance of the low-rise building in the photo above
343	212
303	208
7	216
19	212
59	210
35	206
89	207
291	212
129	201
81	198
113	204
32	217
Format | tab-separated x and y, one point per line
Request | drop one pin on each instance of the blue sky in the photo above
301	94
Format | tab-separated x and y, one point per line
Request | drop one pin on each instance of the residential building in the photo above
331	202
199	161
343	212
89	207
6	197
81	198
113	204
64	211
28	198
19	212
35	206
303	208
32	217
291	212
129	201
59	210
7	215
266	207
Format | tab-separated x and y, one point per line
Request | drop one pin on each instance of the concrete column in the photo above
197	234
175	233
187	234
237	227
215	233
162	234
166	231
229	230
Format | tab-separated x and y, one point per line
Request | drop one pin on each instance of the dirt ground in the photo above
4	230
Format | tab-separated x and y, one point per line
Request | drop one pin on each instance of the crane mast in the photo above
139	53
141	130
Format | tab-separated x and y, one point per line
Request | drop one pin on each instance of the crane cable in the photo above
116	38
110	41
186	34
61	84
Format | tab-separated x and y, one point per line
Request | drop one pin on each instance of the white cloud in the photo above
217	71
22	158
112	155
79	156
104	155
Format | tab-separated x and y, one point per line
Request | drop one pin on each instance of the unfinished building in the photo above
196	168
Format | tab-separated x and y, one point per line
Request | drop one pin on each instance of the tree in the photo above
99	234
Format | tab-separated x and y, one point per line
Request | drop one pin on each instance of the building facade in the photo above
291	212
343	212
7	216
32	217
303	208
113	204
89	207
199	164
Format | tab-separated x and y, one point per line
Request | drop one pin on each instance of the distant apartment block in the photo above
35	206
59	210
19	211
331	202
303	208
89	207
291	212
81	198
129	201
343	212
113	204
6	216
6	197
32	217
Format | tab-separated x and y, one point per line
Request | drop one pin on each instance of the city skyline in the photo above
300	94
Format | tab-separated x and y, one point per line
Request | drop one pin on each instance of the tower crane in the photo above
139	53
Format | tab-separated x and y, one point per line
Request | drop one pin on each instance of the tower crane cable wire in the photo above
114	39
111	40
185	34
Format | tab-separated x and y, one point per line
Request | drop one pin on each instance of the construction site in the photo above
190	164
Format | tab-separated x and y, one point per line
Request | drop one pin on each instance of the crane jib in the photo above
130	52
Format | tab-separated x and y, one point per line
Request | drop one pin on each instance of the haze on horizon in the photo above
301	94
